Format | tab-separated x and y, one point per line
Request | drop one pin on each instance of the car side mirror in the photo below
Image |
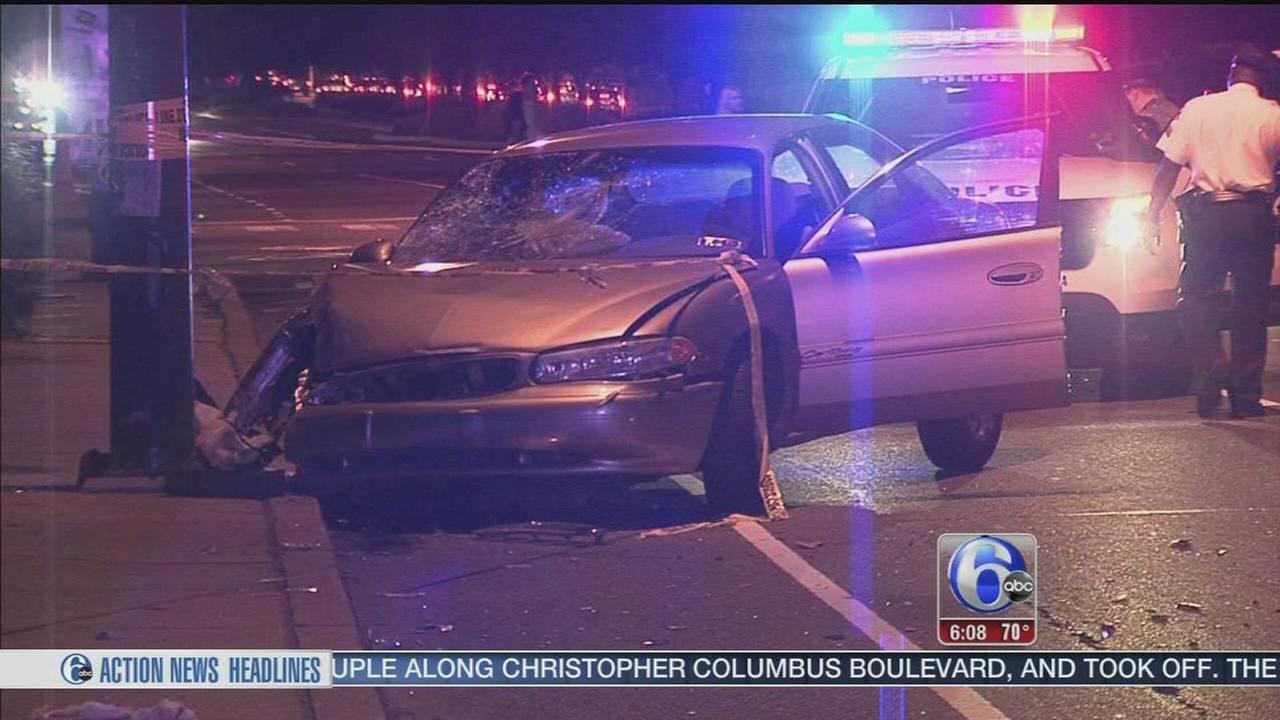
849	234
374	252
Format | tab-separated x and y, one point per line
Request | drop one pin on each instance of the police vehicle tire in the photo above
731	465
961	444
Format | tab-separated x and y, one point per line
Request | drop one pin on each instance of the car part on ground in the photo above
265	398
246	433
961	445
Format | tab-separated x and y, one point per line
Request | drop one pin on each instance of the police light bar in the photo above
985	36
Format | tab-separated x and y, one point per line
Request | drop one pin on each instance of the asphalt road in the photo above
1107	488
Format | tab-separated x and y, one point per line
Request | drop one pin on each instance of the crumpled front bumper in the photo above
642	428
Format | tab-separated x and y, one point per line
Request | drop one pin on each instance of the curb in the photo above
238	338
318	605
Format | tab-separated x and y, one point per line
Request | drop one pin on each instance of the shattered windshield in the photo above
624	203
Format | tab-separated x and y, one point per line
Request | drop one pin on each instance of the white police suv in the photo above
1119	290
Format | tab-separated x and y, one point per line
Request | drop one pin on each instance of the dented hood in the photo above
368	318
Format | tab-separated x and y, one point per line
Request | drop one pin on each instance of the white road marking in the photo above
370	226
963	700
261	205
306	248
286	256
270	228
331	221
1141	513
436	186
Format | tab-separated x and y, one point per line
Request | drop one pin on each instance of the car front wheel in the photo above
731	466
961	444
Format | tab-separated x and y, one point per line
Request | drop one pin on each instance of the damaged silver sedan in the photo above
563	310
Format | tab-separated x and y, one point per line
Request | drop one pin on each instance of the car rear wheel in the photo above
731	465
961	444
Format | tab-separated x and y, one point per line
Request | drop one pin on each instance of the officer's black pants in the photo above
1220	238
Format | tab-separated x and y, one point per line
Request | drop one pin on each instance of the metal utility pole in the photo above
152	425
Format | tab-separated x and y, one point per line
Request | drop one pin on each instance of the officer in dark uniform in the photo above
1149	103
1231	142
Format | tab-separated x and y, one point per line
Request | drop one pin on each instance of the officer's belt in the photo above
1197	196
1232	196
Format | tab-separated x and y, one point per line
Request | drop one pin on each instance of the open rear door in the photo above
947	300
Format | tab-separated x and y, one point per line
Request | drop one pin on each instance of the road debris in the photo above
1107	630
1181	544
1090	639
419	593
1120	599
810	545
221	446
1190	607
165	710
730	520
537	531
1159	619
1222	551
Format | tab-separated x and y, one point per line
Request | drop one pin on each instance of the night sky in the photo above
382	37
788	43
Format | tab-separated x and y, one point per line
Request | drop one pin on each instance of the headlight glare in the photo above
1124	222
614	360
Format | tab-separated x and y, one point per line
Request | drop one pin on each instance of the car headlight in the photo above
614	360
1124	222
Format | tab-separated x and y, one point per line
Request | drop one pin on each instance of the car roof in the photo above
965	60
754	132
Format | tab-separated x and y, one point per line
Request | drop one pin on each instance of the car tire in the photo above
731	465
961	445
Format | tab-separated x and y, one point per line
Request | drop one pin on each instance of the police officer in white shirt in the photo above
1231	141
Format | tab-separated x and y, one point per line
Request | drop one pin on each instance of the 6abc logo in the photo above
988	574
76	669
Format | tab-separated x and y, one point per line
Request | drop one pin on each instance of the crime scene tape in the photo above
59	265
770	493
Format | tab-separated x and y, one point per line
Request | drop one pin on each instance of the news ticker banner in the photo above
159	669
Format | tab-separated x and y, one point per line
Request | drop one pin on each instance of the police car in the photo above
1120	290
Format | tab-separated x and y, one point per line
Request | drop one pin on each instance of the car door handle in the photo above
1021	273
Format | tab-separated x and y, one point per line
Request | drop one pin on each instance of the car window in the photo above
854	153
795	203
1001	170
856	166
786	166
957	191
618	203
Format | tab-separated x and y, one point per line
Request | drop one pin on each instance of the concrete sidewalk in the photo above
121	565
